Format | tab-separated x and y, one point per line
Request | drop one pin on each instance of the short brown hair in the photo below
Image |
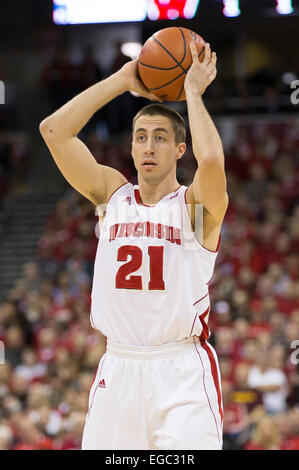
177	122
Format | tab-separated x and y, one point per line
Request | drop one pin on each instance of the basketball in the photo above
165	59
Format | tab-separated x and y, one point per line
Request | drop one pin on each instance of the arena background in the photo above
47	230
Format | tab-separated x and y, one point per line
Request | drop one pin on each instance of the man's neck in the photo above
151	194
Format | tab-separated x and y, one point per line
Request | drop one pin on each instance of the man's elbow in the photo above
46	128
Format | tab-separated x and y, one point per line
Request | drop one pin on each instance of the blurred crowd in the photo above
52	353
267	90
62	79
14	151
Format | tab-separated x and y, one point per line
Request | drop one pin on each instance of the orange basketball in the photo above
164	60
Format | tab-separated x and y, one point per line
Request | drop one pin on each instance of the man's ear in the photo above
181	150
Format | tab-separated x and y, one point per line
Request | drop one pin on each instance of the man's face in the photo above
154	149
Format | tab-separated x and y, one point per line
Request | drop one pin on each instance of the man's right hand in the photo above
93	180
130	75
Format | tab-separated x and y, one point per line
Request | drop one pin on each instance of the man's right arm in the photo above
94	181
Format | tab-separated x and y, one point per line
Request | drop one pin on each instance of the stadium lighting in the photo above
231	8
288	77
131	49
284	7
171	9
190	8
94	11
173	14
152	10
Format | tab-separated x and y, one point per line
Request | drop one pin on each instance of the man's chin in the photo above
149	178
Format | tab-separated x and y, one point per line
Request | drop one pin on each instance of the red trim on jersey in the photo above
201	299
202	315
217	248
193	325
138	197
206	393
205	329
211	251
117	190
207	283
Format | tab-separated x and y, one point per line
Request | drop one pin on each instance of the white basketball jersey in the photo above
151	275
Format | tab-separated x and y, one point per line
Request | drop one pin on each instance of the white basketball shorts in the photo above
156	397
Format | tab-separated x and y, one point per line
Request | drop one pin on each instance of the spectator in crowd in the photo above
6	437
235	418
265	436
14	344
60	79
29	368
121	110
270	381
14	157
251	398
89	73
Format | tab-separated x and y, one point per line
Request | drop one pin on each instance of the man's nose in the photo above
149	147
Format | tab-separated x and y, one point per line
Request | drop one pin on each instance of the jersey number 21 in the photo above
156	254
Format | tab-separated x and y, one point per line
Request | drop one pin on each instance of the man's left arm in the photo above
209	183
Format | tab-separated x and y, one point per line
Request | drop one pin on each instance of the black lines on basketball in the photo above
157	68
202	50
180	92
168	83
183	36
169	53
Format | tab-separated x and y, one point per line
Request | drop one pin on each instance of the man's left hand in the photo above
201	74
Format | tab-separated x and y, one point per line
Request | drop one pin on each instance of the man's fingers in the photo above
143	91
212	65
207	57
149	95
213	58
194	52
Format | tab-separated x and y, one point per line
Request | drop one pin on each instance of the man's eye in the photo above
140	137
160	137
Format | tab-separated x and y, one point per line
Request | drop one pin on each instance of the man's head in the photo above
159	135
177	122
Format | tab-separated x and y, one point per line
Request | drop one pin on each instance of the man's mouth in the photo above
148	164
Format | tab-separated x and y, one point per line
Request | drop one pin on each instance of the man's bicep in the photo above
209	188
81	170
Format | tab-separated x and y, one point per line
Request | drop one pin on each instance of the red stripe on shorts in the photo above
204	385
214	370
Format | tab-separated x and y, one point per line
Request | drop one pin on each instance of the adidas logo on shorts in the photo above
102	383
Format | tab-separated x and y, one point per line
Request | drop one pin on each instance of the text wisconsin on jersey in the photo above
145	229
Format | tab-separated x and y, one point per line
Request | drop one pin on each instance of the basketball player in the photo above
158	384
